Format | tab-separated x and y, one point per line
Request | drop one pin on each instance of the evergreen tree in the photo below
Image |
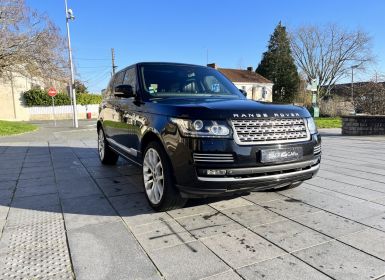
277	65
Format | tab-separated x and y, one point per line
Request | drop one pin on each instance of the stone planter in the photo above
363	125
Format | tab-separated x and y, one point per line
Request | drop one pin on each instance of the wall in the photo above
258	90
12	88
363	125
62	112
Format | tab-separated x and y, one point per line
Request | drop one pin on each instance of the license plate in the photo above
281	155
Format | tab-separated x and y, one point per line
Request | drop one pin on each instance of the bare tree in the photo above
327	53
30	44
369	96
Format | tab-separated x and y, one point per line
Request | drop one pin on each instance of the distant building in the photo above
12	87
256	86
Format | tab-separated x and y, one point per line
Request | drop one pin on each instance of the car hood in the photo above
211	108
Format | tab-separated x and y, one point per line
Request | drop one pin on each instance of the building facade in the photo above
256	86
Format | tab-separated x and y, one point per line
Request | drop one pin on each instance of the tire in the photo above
158	181
106	155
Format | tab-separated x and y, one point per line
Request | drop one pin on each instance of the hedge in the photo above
39	97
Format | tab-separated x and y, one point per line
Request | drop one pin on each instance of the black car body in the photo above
214	141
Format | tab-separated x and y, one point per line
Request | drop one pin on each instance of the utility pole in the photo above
70	16
113	61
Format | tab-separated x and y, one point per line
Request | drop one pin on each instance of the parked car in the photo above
194	134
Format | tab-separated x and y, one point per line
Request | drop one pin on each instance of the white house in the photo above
256	86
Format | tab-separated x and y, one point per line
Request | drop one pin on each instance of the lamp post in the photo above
352	87
70	16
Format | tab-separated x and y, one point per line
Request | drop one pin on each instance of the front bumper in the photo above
244	173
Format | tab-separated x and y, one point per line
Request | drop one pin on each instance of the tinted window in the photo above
162	80
130	78
118	80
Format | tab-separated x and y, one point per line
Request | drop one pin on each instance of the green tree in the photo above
277	65
80	87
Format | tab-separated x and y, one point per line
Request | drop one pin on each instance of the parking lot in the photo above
64	216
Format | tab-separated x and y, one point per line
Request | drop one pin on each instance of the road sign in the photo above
52	92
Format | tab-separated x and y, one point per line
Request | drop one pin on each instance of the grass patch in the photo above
11	128
328	122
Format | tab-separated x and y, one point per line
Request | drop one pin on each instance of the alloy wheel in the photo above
153	176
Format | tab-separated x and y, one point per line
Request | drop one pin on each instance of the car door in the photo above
128	109
111	121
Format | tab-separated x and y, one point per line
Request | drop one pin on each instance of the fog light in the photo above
315	161
215	172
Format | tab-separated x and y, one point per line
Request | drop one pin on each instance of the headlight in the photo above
202	128
311	125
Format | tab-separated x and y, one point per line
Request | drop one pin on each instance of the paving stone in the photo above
242	247
77	187
34	251
257	197
369	240
87	210
7	184
108	251
163	234
289	207
181	261
114	186
377	221
230	203
191	211
342	262
205	225
329	224
342	207
36	182
284	267
229	275
38	190
252	215
290	235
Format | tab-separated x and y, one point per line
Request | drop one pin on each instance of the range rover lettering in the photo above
194	134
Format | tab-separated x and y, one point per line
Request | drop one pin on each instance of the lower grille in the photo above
317	150
266	131
217	158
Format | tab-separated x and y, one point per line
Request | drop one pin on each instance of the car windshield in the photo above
163	80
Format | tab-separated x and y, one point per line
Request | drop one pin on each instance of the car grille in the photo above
317	150
266	131
208	158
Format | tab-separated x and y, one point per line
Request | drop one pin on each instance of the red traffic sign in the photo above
52	92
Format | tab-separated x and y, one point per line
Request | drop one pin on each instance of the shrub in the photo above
39	97
86	98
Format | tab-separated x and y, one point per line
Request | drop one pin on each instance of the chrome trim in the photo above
213	157
317	149
130	151
239	142
262	178
273	168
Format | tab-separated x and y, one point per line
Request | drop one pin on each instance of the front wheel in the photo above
106	155
158	180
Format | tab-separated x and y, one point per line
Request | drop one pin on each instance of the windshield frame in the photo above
234	91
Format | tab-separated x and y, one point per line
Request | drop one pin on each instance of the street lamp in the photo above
70	16
353	67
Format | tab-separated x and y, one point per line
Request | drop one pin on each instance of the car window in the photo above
130	78
162	80
118	79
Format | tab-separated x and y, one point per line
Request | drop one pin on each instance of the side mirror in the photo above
124	91
243	92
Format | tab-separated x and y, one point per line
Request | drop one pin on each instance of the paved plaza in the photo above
65	216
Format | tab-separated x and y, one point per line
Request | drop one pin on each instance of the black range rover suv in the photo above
196	135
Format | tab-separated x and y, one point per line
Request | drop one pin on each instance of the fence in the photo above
62	112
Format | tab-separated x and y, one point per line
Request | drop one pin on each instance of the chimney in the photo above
212	65
250	69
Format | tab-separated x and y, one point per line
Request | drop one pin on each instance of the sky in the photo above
231	33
